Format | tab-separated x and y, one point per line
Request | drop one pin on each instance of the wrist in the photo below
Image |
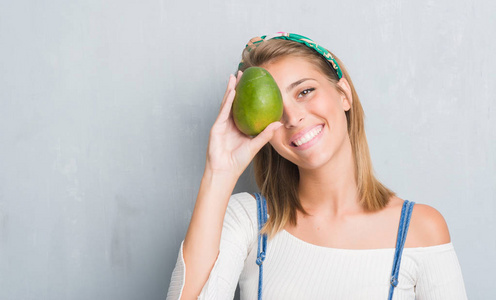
224	178
221	173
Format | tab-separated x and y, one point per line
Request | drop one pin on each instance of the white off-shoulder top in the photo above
295	269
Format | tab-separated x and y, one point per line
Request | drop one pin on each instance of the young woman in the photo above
332	226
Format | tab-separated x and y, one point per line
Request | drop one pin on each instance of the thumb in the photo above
263	137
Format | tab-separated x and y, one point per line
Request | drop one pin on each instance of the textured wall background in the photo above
105	109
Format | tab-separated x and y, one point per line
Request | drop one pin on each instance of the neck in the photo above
332	188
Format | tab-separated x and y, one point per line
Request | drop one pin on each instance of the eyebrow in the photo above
296	83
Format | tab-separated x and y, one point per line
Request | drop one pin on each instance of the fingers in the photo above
225	109
230	86
260	140
226	104
238	77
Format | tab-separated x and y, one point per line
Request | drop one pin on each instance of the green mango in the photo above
258	101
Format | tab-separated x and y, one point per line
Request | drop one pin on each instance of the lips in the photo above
306	136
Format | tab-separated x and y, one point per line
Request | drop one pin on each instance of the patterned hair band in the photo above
256	41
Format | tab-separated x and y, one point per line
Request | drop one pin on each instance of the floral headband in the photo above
256	41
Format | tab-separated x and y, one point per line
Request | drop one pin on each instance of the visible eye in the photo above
306	92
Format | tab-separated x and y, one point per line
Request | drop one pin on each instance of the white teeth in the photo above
308	136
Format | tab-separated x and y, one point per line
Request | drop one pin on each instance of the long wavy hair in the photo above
278	178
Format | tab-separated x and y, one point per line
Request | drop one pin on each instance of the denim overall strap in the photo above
262	239
406	213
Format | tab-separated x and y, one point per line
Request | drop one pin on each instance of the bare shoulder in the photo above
427	227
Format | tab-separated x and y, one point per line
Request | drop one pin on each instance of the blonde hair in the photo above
276	177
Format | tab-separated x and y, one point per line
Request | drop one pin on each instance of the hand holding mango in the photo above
258	101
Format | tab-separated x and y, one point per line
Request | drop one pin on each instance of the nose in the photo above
292	114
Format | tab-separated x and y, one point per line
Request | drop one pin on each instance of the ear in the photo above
347	96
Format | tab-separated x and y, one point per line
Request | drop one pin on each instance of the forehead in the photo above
292	68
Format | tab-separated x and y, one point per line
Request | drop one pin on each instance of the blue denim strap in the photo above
262	239
406	214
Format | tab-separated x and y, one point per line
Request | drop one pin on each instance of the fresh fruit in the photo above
258	101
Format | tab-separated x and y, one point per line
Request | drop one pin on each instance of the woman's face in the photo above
314	119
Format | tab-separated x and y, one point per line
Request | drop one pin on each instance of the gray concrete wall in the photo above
105	109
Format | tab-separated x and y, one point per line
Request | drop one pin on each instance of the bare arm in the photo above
229	153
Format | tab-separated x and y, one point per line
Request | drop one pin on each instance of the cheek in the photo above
330	110
277	140
327	106
279	143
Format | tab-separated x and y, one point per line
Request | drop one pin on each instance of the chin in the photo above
316	162
310	162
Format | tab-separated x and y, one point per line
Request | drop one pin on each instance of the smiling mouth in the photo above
308	136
